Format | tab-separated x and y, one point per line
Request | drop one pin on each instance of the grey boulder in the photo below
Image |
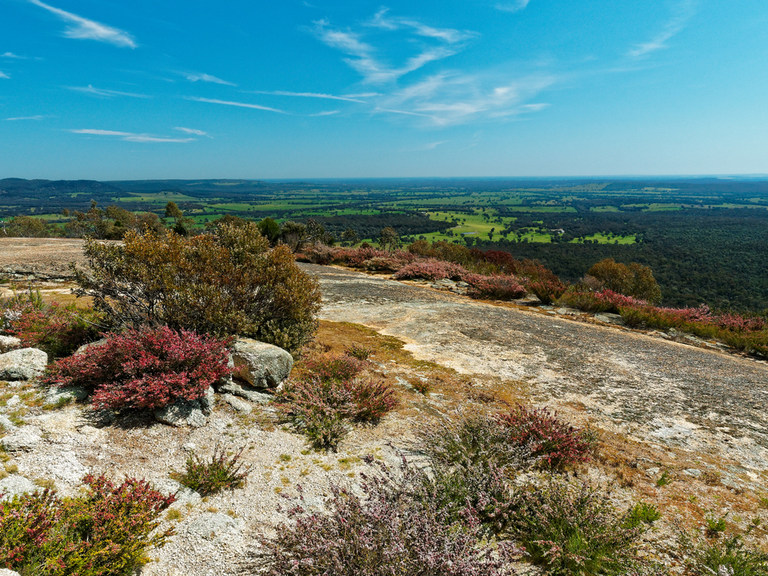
182	414
259	364
22	439
23	364
214	526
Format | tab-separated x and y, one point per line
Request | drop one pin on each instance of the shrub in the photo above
58	330
225	283
729	557
328	367
633	280
475	439
359	352
318	408
572	529
553	442
494	287
222	471
104	533
431	269
394	528
642	513
144	368
547	290
472	461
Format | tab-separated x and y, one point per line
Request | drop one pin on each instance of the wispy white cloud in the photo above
326	113
130	136
363	57
84	29
12	55
240	104
433	145
192	131
514	6
4	75
348	98
104	93
381	20
447	99
37	117
194	77
683	13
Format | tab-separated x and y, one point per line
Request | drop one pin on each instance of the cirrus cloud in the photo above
85	29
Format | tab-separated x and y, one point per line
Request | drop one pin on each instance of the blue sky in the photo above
299	89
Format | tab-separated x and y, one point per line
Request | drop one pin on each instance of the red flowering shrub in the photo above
431	269
104	533
547	290
494	287
146	368
553	441
58	330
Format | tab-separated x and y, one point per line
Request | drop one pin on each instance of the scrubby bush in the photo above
144	368
103	533
729	557
431	269
553	442
394	528
573	530
223	283
494	287
319	408
547	290
634	280
329	367
473	462
58	330
222	472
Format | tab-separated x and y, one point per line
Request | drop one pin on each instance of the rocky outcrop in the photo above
182	413
8	343
22	439
259	364
15	485
23	364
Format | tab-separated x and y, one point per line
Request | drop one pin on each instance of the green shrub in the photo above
222	472
319	407
222	284
729	557
104	533
642	513
634	280
573	530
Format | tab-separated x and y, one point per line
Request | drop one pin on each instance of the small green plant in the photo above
643	513
173	515
359	352
763	502
284	457
421	386
663	480
715	525
222	471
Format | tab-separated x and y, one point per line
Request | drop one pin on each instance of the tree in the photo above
350	236
634	280
389	239
293	234
228	283
270	229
